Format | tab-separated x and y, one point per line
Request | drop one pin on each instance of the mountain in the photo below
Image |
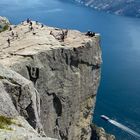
120	7
48	84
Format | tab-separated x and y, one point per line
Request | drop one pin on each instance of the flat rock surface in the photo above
24	43
57	78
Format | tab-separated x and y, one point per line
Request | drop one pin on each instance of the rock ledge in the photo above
50	81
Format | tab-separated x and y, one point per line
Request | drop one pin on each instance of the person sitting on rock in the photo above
42	25
89	33
10	28
36	22
92	34
51	33
34	33
31	28
64	35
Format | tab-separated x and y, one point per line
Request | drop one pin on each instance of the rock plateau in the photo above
51	83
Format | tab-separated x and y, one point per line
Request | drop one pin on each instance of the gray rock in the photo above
19	97
4	23
20	130
66	75
99	133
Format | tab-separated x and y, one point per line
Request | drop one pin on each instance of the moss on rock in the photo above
5	122
4	24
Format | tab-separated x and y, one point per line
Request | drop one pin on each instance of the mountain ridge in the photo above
129	8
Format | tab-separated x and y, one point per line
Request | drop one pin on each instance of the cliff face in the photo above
99	133
65	76
18	97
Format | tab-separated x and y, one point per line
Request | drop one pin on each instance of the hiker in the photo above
62	36
66	33
31	28
10	28
34	33
92	34
28	20
36	22
42	25
51	33
89	33
8	41
31	23
12	33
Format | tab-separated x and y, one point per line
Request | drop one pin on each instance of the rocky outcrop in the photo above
20	92
54	80
99	133
19	129
19	97
4	23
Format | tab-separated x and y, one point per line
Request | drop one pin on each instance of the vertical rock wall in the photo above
68	82
66	76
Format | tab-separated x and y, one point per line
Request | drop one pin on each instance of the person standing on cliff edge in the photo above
28	20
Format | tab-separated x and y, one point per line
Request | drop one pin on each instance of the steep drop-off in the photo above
52	83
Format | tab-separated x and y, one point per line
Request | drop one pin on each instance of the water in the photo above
125	128
119	92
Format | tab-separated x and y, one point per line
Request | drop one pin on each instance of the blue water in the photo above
119	92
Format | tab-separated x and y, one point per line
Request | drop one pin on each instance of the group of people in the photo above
12	35
15	35
30	23
90	34
61	36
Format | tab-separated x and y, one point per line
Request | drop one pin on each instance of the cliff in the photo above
98	133
50	82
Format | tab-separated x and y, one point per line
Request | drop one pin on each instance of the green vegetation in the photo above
5	122
4	28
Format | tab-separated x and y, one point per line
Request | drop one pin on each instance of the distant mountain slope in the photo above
119	7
